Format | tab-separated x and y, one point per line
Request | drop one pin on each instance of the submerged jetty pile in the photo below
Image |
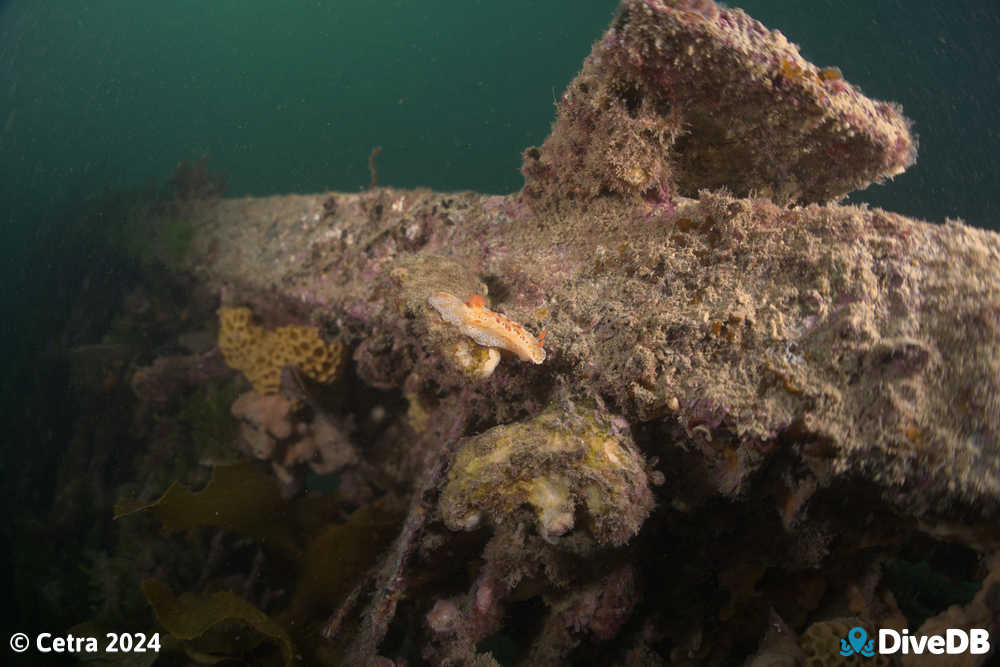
750	399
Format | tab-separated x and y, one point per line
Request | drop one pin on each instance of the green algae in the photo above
238	497
326	559
192	617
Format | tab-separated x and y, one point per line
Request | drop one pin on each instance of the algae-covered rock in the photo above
568	462
682	95
821	644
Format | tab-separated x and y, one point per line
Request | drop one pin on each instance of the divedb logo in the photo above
953	641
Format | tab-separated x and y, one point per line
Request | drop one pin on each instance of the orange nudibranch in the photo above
486	327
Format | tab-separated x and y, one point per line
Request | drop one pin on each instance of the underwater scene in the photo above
598	333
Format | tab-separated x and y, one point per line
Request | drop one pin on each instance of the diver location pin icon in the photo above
857	637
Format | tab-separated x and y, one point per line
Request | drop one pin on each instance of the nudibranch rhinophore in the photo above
486	327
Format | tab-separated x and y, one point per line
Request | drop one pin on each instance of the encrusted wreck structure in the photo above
747	398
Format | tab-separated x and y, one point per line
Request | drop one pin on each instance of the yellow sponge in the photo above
260	354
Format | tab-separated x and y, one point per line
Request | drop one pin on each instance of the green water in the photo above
285	97
291	97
